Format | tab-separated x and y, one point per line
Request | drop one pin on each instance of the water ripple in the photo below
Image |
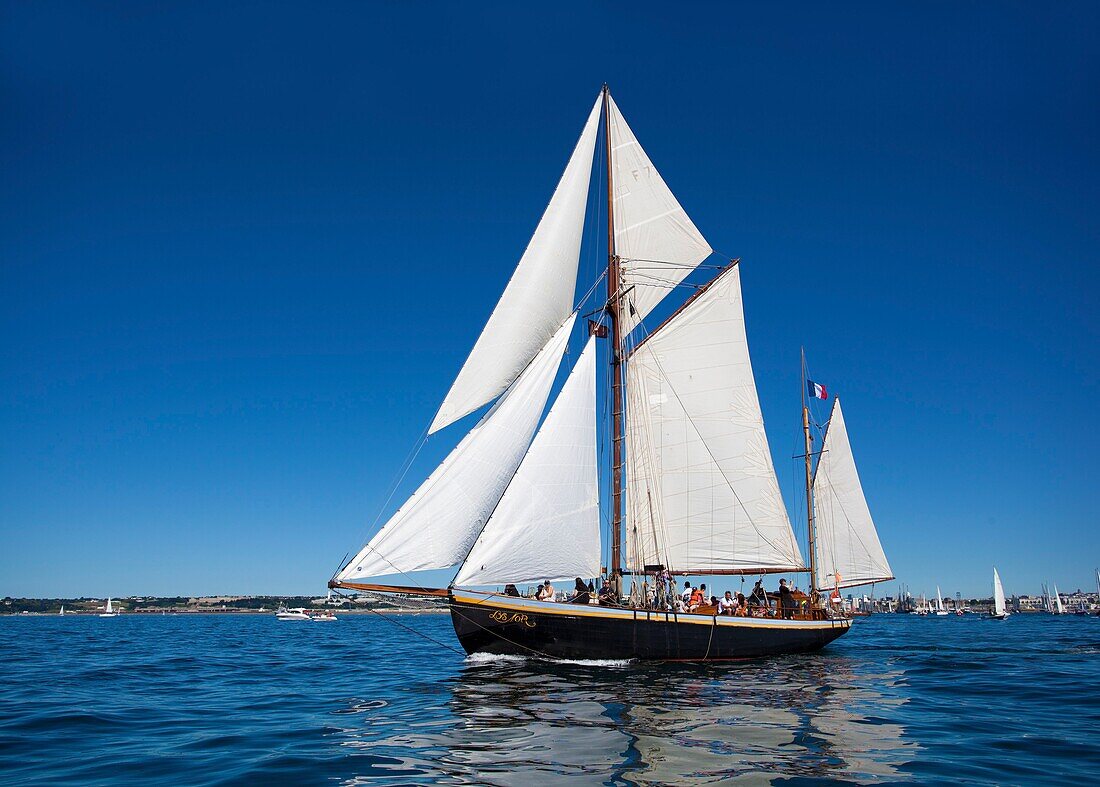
244	699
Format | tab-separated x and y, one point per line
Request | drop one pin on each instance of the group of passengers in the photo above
691	599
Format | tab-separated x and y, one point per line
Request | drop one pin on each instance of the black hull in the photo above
520	627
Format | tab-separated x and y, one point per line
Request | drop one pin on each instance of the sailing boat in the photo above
691	477
940	610
1000	611
1056	605
62	612
109	611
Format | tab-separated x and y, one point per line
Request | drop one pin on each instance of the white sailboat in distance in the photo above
940	610
1057	607
109	611
1000	611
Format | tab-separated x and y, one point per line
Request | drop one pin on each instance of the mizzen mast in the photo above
810	525
615	355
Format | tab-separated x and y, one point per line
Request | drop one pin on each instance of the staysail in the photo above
702	492
538	297
436	527
657	243
998	594
848	549
547	525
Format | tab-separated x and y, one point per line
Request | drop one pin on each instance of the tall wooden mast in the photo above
616	354
810	529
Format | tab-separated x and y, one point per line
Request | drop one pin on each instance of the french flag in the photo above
817	391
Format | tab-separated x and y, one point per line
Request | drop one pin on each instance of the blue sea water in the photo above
246	699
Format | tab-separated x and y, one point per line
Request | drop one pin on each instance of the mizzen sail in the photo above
848	549
702	492
656	241
436	527
547	525
538	297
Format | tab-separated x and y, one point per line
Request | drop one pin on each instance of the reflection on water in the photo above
519	721
243	700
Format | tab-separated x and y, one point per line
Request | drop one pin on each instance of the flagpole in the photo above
809	486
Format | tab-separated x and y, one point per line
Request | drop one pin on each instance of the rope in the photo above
399	624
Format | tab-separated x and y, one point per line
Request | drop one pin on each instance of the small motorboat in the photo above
297	613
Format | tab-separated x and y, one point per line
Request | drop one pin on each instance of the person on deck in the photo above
696	599
686	595
727	604
580	594
546	592
742	606
759	596
606	595
786	600
511	590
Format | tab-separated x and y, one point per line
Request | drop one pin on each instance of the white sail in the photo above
1059	607
538	297
438	524
939	600
702	492
108	610
547	525
655	239
999	607
848	549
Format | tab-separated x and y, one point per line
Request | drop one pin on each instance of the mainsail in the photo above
538	297
702	492
848	548
1059	607
437	525
547	525
656	241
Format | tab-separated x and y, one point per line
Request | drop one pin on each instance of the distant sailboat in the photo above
940	610
1000	611
109	612
1057	607
62	612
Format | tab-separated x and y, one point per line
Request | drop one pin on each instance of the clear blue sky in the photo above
245	251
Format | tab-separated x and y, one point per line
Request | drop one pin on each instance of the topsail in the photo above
655	239
538	297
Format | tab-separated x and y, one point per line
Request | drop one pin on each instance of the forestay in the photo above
538	297
438	524
702	491
848	548
547	525
655	239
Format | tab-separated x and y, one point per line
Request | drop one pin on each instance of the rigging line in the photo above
413	453
390	619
